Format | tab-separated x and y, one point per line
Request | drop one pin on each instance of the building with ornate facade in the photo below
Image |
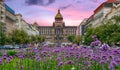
81	27
7	17
11	21
101	14
58	32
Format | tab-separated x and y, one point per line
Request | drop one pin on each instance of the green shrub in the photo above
11	53
0	54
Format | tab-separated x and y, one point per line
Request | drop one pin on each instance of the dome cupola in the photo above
58	16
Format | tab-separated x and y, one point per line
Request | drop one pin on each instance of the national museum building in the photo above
58	32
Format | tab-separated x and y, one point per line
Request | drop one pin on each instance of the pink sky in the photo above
43	11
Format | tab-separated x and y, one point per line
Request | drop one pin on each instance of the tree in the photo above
8	39
115	37
78	39
19	36
2	35
34	38
1	27
116	19
2	38
108	33
88	36
71	38
37	38
41	38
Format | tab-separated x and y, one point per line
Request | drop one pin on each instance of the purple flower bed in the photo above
59	58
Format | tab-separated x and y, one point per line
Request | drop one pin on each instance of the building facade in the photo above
7	17
11	21
100	13
32	30
21	24
58	32
115	11
81	27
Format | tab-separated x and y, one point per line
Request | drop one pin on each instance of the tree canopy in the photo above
108	32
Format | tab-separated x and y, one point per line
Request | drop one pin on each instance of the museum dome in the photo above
58	15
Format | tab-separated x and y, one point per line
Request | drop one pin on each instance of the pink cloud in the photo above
44	15
71	17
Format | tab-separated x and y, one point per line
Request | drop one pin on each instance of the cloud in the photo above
81	1
94	1
65	7
39	2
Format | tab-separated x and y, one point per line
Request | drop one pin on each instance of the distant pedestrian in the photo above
36	45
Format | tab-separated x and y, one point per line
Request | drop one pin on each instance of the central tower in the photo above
58	25
58	20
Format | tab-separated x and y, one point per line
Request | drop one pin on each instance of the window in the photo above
2	12
1	18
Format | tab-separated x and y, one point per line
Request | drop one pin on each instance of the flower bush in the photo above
59	58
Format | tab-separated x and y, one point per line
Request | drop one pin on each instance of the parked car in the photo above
1	47
16	46
24	46
8	47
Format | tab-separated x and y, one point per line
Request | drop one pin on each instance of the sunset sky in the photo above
44	11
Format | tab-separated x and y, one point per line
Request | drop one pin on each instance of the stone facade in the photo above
7	17
114	11
100	13
58	32
12	21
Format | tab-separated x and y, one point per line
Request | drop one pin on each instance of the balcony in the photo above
11	17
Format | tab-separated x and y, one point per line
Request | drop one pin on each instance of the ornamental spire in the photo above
58	11
59	15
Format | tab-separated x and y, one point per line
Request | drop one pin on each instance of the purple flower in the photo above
105	47
69	62
0	61
43	52
67	56
4	56
94	36
22	67
92	43
9	59
102	62
58	59
104	57
56	50
116	51
117	60
37	58
60	63
97	42
86	62
112	65
111	56
21	56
